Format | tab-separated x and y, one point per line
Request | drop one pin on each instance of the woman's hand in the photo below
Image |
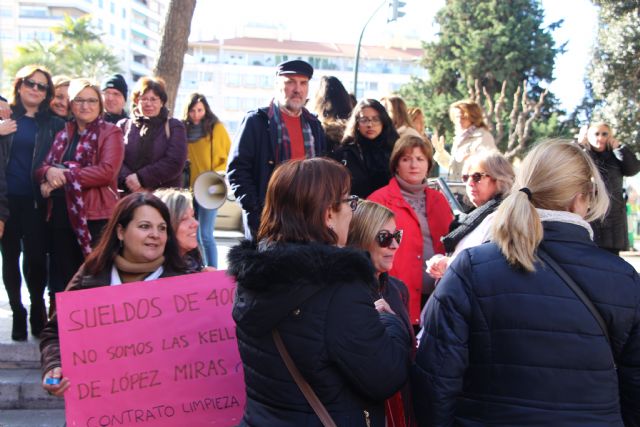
55	177
614	143
55	375
383	307
437	265
5	110
46	189
209	269
7	126
437	141
133	183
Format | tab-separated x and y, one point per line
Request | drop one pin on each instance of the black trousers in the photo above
25	232
65	253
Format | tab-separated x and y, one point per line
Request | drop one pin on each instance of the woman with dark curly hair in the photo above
366	147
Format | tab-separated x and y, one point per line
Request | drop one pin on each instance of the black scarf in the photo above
150	128
466	223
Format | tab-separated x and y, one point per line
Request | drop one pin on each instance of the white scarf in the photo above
564	216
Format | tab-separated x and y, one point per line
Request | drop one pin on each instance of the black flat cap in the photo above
296	66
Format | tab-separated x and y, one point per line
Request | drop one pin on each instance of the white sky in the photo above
342	21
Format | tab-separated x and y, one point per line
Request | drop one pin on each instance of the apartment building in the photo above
237	74
131	28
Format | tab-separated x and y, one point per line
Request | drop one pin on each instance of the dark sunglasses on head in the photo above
353	201
31	84
602	133
475	177
385	237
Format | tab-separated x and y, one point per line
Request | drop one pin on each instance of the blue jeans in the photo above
207	220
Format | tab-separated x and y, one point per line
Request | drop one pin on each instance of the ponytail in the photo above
552	175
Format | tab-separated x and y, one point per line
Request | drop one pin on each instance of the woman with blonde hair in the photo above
373	229
471	136
488	177
185	226
397	109
614	161
539	327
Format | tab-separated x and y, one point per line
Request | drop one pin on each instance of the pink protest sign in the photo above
158	353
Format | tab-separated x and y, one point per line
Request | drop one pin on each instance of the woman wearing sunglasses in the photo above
422	213
488	177
298	282
23	150
373	229
79	178
614	161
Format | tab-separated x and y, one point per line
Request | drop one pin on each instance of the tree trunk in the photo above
175	37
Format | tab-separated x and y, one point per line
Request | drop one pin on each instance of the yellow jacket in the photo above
209	153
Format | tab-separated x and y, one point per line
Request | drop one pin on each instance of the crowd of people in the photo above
95	195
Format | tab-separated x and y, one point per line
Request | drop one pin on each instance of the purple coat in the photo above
167	162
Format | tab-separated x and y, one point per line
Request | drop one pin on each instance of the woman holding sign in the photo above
302	295
138	244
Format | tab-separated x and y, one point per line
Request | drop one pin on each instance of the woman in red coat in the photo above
79	179
421	213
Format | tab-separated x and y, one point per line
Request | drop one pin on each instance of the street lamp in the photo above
395	6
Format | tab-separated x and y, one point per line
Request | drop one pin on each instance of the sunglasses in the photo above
602	133
31	84
475	177
353	202
385	237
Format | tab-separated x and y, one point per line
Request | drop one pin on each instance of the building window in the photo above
112	29
112	7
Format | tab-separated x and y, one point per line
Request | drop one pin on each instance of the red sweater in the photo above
408	264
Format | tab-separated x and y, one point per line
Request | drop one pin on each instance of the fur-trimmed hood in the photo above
273	282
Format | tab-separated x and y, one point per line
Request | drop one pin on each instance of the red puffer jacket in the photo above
100	181
408	264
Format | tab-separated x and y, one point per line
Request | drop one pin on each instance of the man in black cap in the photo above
114	94
271	135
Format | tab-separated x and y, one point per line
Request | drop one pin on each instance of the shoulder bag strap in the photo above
576	290
304	386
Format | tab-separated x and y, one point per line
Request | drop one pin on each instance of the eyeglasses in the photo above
385	237
32	84
475	177
366	120
89	101
353	202
148	100
602	133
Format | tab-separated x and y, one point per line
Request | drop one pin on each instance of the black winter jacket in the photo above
252	160
611	232
507	348
369	167
48	126
320	298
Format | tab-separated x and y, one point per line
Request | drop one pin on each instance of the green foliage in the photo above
486	40
76	51
615	69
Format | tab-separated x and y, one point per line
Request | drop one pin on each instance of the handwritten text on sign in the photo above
157	353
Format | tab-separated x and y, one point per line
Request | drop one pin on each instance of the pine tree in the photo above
482	44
